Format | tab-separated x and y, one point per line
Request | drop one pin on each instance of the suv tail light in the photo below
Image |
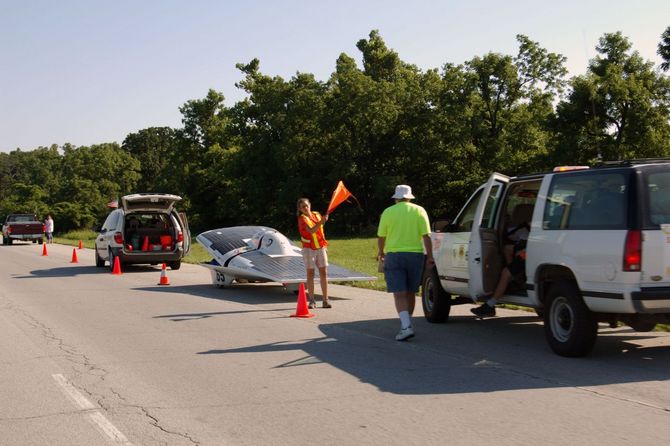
44	228
180	237
118	238
632	251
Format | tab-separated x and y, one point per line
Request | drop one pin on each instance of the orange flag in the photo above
340	195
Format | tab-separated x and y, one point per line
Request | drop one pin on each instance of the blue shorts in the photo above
403	271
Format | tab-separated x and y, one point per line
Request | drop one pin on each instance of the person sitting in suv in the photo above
515	256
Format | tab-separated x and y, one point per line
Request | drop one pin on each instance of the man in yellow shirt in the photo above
403	237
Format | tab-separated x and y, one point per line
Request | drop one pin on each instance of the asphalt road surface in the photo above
91	358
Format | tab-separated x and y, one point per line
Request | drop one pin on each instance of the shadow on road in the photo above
77	269
250	294
465	355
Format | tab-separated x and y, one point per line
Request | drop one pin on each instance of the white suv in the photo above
598	250
146	228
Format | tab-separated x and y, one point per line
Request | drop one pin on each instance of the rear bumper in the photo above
651	300
150	257
25	236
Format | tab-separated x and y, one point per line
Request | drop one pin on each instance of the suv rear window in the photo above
657	188
587	201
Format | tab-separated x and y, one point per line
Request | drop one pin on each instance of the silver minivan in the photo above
146	228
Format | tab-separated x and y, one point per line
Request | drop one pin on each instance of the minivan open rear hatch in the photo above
149	202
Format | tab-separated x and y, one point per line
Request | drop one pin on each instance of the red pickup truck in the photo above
22	227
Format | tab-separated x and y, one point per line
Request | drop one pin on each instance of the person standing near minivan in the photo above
403	237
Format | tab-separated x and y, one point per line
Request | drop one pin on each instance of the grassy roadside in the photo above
357	254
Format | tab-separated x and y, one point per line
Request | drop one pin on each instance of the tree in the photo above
509	106
280	136
95	175
155	149
620	109
196	172
29	180
664	49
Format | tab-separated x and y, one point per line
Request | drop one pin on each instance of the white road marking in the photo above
96	417
73	393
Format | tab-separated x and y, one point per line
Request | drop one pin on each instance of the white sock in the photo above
405	321
491	302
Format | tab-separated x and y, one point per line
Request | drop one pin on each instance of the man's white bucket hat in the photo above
403	191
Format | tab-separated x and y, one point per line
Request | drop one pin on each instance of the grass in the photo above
72	238
358	254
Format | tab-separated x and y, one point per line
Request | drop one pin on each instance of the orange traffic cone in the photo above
74	256
44	250
164	278
117	266
145	244
302	310
81	245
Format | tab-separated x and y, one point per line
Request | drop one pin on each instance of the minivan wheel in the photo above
175	265
111	260
436	302
569	326
99	261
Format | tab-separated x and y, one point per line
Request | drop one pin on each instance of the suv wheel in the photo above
175	265
436	302
569	326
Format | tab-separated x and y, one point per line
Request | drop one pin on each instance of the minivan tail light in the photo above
118	238
180	237
632	251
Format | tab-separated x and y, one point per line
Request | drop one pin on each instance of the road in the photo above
91	358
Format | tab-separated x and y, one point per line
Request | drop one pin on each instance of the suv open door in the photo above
483	253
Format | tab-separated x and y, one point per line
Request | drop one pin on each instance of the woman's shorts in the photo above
403	271
315	258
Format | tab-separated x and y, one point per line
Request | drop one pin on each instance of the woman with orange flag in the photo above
314	252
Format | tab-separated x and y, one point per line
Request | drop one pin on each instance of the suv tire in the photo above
569	326
436	302
175	265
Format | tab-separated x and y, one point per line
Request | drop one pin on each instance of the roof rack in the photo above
630	162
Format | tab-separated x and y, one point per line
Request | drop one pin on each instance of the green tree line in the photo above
374	125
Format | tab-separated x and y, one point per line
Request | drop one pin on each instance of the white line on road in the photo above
96	417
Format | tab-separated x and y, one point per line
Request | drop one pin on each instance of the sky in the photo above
90	71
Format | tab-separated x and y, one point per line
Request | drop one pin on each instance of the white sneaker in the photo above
404	334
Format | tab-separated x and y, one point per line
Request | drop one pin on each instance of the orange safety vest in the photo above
317	240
